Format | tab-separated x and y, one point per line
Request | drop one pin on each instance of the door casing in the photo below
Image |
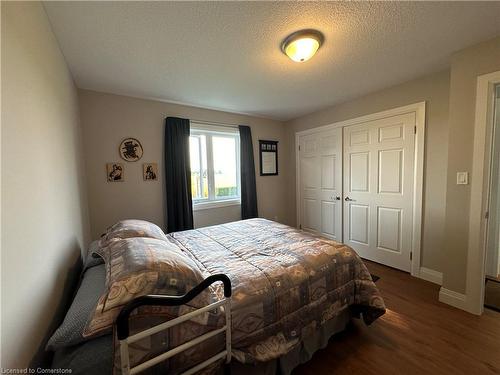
418	175
473	300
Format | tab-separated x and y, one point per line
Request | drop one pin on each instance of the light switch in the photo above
462	178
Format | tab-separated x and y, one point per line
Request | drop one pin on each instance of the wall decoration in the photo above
268	151
150	171
131	149
114	171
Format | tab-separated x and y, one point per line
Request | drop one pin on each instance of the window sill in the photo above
216	204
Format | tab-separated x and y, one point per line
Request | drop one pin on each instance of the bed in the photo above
291	291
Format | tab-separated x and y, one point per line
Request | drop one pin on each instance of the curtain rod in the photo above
227	125
204	122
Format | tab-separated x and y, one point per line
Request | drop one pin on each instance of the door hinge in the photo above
487	215
411	255
415	129
300	226
299	147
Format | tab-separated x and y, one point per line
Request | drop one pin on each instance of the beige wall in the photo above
44	221
434	89
107	119
466	66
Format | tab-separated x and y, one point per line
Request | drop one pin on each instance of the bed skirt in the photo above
95	356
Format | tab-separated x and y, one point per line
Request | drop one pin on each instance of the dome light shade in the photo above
302	45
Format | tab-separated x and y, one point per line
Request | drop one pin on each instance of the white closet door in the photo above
320	156
378	189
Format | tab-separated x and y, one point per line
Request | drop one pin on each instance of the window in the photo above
215	166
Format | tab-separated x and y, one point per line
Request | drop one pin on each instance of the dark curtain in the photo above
178	175
248	189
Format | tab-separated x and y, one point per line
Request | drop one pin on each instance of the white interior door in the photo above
378	189
320	179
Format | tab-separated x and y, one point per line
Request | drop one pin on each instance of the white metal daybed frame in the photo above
125	339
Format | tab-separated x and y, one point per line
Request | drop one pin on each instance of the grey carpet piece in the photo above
70	331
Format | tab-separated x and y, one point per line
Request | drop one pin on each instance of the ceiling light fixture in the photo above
302	45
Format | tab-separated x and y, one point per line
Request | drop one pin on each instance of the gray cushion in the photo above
70	331
93	259
89	358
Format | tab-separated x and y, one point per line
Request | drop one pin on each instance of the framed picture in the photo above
114	172
150	171
268	151
130	149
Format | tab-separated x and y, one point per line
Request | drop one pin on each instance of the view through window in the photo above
215	160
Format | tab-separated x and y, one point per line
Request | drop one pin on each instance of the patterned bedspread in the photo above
286	283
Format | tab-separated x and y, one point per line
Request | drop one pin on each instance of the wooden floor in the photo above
417	335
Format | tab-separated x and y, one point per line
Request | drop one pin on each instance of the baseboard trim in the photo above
453	298
433	276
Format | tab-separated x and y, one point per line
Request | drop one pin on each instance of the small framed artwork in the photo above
268	151
131	149
150	171
114	172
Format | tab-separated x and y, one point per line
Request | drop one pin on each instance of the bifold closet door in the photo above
320	179
378	189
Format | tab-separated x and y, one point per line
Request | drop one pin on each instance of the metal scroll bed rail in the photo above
125	339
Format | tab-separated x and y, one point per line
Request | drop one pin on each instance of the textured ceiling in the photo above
226	55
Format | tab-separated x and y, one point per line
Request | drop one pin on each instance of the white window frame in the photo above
209	131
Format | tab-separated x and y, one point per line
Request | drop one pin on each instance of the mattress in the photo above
291	291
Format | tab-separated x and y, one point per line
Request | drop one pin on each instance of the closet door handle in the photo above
347	199
337	198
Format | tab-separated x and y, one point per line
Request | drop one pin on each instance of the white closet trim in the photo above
419	110
479	192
